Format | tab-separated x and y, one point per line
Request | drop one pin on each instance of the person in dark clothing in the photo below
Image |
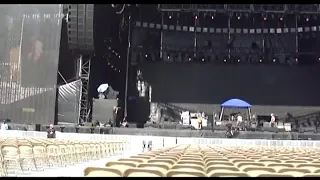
51	132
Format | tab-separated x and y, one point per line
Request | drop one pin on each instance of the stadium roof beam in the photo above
252	8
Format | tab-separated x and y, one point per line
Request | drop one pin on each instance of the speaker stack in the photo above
80	27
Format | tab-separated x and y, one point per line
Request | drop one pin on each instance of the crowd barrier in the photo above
161	141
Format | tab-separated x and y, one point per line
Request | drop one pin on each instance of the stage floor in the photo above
215	134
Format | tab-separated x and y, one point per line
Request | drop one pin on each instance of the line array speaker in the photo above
80	27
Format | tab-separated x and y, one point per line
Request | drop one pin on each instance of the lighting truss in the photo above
250	8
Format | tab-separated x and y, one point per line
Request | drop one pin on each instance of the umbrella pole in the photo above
221	113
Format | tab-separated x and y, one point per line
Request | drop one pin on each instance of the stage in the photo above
171	132
215	134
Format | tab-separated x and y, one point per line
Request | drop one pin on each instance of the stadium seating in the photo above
215	161
20	154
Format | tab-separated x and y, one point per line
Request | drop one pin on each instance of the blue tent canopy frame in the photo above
235	103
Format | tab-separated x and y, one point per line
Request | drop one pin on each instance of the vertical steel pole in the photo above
229	35
127	69
297	41
161	36
195	36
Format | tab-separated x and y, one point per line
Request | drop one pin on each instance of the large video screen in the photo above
29	52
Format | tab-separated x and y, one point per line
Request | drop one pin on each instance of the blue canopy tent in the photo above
235	103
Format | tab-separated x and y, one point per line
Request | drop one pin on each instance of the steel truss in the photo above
84	75
248	8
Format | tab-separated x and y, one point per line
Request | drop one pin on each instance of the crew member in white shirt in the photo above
239	119
4	126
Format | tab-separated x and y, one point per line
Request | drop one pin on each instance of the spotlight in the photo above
196	17
274	60
265	18
224	60
146	55
281	19
168	57
260	60
170	17
202	59
119	56
189	59
297	59
238	60
318	59
238	17
307	19
212	17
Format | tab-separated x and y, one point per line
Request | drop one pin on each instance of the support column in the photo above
84	74
229	35
297	40
127	69
195	35
161	36
263	38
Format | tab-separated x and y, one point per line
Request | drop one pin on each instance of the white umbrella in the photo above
102	88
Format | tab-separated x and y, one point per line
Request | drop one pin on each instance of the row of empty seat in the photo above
213	161
20	154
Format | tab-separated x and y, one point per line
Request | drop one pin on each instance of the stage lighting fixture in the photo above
212	17
260	60
225	60
196	17
318	59
238	60
274	60
170	17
